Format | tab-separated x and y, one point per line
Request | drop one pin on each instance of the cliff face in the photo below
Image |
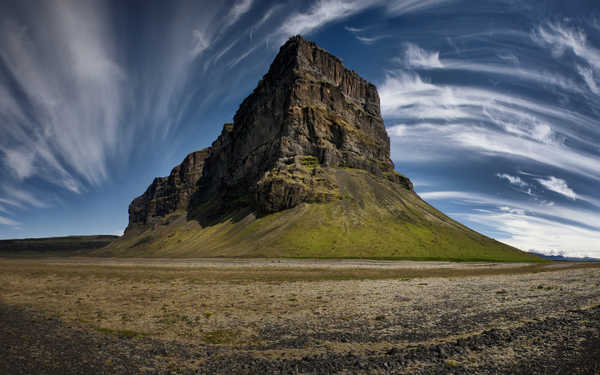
308	114
168	194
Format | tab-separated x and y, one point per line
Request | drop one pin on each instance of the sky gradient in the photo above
492	107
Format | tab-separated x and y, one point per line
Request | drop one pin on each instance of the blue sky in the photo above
492	107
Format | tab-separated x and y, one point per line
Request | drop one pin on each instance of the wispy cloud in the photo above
324	12
511	210
514	180
588	76
7	221
399	7
364	39
371	39
539	234
417	57
561	38
19	197
530	226
558	185
241	57
72	107
20	161
490	121
354	29
11	202
4	209
200	44
263	20
68	71
420	142
583	217
240	8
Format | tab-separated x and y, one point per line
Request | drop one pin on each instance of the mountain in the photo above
562	258
304	170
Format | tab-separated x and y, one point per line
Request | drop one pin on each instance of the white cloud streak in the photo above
438	142
417	57
363	38
540	234
513	180
558	185
79	110
324	12
74	85
267	16
7	221
20	198
588	76
561	38
537	75
487	121
240	8
585	217
370	40
400	7
11	202
242	57
200	44
531	226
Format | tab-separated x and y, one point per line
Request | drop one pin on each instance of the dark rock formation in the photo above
307	115
168	194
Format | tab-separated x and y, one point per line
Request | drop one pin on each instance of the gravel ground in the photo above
279	263
59	322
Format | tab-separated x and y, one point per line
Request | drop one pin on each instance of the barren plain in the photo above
188	316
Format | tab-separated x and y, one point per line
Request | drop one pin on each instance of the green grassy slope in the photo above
373	218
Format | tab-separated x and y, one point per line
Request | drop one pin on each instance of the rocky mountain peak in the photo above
303	170
307	116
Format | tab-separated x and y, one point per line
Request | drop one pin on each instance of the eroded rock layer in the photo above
168	194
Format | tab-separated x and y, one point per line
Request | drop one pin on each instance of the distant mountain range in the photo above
564	258
71	245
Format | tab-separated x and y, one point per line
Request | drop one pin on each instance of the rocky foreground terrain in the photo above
88	316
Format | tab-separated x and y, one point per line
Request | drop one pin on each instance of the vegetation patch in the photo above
122	333
221	336
310	162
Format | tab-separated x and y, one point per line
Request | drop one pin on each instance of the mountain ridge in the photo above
303	170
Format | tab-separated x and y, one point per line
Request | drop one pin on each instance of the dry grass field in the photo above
187	316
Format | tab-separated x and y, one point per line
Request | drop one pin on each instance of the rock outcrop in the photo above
169	194
307	114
